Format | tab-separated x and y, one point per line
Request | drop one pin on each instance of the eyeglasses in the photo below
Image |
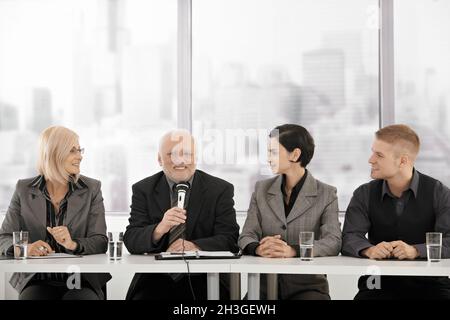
75	151
177	154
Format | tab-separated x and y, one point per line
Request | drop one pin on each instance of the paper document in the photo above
199	254
55	256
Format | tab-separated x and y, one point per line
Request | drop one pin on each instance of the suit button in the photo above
283	227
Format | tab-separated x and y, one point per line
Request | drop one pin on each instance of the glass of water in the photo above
306	240
115	243
434	246
20	243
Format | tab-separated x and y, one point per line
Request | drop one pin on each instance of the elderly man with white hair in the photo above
156	224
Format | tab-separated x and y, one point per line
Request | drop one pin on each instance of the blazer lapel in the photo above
304	201
275	199
75	204
39	211
162	195
196	199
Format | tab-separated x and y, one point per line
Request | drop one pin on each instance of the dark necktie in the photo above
178	231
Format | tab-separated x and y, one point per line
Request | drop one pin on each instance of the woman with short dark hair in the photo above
283	206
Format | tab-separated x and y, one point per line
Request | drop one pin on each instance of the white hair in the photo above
175	135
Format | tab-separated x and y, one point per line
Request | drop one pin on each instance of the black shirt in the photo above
401	202
294	193
357	222
55	219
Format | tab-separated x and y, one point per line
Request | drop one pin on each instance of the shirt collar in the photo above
40	183
80	184
413	186
297	187
173	183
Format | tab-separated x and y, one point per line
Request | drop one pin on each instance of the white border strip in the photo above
184	68
386	63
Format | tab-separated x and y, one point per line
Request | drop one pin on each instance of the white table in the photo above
254	266
339	265
129	264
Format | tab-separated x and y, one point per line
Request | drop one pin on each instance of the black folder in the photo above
197	255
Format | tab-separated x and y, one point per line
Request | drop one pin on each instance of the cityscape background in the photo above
108	70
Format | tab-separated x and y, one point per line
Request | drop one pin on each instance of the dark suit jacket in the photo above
85	219
211	218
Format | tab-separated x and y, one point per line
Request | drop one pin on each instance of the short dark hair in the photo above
292	136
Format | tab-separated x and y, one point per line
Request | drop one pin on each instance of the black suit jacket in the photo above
211	218
210	224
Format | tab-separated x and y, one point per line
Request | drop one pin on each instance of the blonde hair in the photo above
402	136
55	144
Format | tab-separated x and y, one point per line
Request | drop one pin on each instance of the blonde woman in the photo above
63	212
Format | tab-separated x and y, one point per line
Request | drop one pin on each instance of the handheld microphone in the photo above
181	189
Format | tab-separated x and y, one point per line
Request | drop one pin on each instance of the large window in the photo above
108	70
105	68
261	63
422	51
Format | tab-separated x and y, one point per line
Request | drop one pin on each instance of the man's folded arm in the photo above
356	224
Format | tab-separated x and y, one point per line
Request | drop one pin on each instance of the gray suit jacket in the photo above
315	209
85	219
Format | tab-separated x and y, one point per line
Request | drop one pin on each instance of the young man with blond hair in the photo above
396	210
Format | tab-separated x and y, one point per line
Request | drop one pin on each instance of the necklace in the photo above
55	194
56	200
